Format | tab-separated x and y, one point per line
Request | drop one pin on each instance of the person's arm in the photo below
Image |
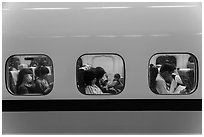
46	91
172	87
120	85
112	84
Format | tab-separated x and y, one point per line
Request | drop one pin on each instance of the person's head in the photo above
14	62
79	63
101	76
42	61
90	76
191	59
24	76
151	65
34	63
166	71
41	71
117	76
99	72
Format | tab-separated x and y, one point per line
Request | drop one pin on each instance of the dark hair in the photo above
42	61
151	65
79	63
41	71
99	72
21	75
89	75
191	59
12	62
14	59
167	67
117	75
33	62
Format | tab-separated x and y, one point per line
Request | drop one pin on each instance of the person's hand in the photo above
174	83
52	83
173	86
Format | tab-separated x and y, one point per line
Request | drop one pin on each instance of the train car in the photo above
102	68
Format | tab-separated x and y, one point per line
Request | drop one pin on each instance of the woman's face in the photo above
28	78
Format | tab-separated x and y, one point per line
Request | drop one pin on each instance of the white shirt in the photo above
163	88
93	90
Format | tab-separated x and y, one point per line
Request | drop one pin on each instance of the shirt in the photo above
165	88
93	89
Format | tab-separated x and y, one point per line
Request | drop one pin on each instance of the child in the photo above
42	85
116	84
90	81
24	85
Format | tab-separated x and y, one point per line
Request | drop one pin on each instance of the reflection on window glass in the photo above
29	74
102	74
173	73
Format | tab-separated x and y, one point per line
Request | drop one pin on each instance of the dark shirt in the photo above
25	89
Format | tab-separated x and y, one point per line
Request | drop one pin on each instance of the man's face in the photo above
167	76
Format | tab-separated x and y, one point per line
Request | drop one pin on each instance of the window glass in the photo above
101	74
29	74
173	73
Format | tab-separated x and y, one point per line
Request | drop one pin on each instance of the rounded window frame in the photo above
171	53
124	71
6	73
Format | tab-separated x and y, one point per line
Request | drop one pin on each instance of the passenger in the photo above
33	63
14	63
42	62
90	81
24	80
116	83
166	84
79	63
42	86
101	79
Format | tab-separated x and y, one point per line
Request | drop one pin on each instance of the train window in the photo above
173	73
29	74
101	74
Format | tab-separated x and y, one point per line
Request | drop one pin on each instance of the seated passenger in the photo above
90	81
101	79
166	84
42	86
14	62
24	85
116	83
13	76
